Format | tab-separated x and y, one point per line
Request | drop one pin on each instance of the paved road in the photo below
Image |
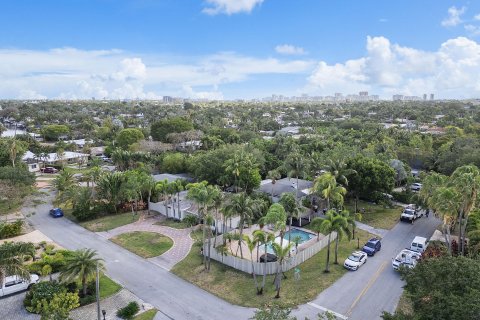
174	297
375	287
361	295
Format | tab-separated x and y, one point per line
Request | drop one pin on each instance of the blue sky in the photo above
238	48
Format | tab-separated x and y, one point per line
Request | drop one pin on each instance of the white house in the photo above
68	157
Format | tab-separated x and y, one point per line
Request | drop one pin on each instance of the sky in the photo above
238	49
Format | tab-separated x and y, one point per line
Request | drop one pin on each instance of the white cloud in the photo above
477	17
472	30
230	6
454	16
288	49
73	74
451	71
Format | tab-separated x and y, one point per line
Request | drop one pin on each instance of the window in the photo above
12	283
33	166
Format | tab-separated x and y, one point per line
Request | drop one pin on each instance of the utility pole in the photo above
97	284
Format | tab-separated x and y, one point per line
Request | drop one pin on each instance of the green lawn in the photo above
376	215
108	287
173	224
144	244
239	288
147	315
109	222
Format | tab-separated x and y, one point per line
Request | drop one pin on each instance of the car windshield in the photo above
408	212
354	258
370	245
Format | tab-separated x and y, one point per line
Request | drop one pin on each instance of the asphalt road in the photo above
361	295
375	287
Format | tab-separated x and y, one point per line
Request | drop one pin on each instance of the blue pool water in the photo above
304	236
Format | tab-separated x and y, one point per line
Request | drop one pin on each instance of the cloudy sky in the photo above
228	49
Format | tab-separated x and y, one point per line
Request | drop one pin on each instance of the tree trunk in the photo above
446	233
178	206
356	203
264	269
255	276
84	285
148	205
336	249
327	267
278	281
240	240
203	244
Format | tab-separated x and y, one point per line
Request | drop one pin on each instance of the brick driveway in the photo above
11	308
182	242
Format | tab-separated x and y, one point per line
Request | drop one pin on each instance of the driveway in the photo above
361	295
375	287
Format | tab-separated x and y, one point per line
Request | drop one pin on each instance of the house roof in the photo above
286	185
52	157
171	177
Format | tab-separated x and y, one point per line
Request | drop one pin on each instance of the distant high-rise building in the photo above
432	96
397	97
167	99
363	93
424	96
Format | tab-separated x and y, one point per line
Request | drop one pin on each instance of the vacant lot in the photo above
376	215
144	244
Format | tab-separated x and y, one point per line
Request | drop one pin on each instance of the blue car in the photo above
372	246
56	212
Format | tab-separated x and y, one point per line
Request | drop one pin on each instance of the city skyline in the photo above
249	49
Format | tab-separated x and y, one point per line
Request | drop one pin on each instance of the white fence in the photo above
271	267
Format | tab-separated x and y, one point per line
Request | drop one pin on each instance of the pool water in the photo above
290	235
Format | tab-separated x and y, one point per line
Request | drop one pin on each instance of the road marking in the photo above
338	315
370	283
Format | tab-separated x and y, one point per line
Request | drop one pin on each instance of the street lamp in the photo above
104	314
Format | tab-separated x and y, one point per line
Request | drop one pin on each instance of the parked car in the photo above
355	260
410	214
56	212
406	258
49	170
372	246
14	284
416	186
419	244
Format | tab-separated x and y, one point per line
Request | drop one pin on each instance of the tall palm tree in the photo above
251	245
295	164
339	169
148	186
281	253
331	223
326	187
446	203
316	226
277	217
274	175
162	187
292	208
202	194
178	183
81	265
243	206
13	151
264	238
341	225
64	181
12	256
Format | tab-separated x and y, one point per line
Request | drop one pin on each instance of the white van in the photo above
14	284
419	244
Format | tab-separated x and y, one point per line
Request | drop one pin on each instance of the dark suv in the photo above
372	246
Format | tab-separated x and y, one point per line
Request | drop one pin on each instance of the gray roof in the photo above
285	185
172	177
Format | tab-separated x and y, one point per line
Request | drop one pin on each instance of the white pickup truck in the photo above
406	258
410	213
14	284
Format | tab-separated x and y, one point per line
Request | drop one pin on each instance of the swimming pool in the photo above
290	235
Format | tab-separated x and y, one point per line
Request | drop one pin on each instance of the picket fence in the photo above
271	267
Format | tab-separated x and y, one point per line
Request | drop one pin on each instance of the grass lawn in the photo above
144	244
108	287
405	304
147	315
239	288
109	222
376	215
173	224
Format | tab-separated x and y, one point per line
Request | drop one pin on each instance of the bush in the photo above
129	311
17	175
38	292
9	230
55	260
404	196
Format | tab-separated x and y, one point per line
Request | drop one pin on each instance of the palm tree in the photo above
342	222
277	216
178	183
295	165
110	188
244	207
338	168
13	151
316	226
326	187
202	194
264	238
81	265
281	253
12	256
331	223
148	185
251	245
161	187
291	207
64	181
446	203
233	167
274	175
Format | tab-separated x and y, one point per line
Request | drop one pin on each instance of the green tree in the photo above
54	131
160	129
12	256
295	165
110	188
282	253
326	187
292	208
81	265
58	308
263	238
251	245
127	137
331	223
273	175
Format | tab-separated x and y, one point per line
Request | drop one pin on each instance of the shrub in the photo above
40	291
404	196
9	230
129	311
